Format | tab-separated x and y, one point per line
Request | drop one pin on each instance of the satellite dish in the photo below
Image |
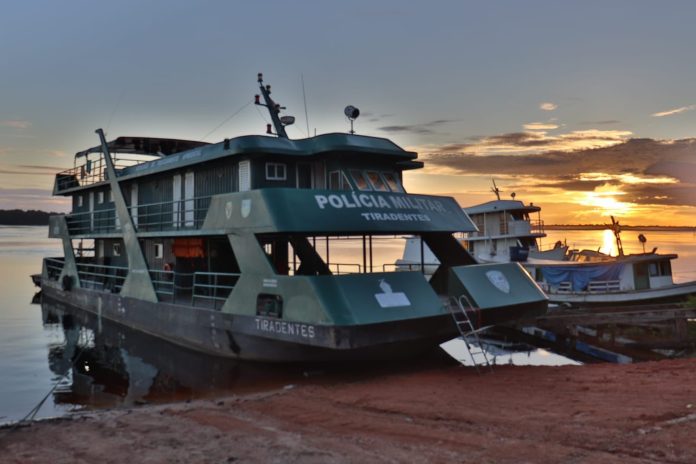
287	120
351	112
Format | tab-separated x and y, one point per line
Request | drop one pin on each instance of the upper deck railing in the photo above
163	216
509	229
93	170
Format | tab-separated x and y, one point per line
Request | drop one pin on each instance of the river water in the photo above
120	368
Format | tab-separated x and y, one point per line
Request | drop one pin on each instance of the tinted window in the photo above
376	181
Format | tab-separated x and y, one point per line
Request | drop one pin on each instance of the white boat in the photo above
508	231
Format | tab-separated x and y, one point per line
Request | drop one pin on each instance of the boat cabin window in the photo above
79	201
359	179
100	197
392	182
159	250
276	171
338	181
660	268
376	181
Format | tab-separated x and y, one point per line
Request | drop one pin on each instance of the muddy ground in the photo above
444	413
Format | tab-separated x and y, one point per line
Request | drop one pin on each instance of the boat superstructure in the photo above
231	247
589	277
507	232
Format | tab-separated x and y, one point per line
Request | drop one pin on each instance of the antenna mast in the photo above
273	108
496	190
616	228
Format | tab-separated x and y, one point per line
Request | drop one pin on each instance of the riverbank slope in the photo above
595	413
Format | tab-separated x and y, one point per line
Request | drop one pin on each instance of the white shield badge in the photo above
246	207
499	281
228	209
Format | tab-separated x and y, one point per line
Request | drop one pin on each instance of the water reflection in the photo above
503	352
107	365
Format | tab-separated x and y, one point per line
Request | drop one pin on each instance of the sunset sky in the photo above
586	108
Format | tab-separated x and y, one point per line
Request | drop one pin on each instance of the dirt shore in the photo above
594	413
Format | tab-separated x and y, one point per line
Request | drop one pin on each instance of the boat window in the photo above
376	181
276	171
159	250
359	179
100	197
660	268
79	201
269	305
338	181
392	182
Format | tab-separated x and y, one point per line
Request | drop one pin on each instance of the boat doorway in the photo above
641	276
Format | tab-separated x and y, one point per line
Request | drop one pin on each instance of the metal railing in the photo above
213	286
509	227
93	171
101	277
188	213
54	267
162	216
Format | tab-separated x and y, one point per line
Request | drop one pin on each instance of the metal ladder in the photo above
468	333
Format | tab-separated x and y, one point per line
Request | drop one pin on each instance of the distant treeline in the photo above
623	227
19	217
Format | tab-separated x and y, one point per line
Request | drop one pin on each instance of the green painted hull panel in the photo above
325	211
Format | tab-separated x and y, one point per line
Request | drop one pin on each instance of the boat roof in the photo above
145	146
259	145
496	206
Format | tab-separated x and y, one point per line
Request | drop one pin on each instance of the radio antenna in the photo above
304	97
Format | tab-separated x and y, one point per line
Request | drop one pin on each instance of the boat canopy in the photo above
581	276
145	146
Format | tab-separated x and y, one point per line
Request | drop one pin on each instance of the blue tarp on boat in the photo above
580	276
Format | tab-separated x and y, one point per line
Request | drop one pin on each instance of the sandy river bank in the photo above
594	413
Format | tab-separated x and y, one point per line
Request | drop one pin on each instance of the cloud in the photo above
425	128
674	111
15	123
29	169
541	126
532	142
547	106
605	122
645	171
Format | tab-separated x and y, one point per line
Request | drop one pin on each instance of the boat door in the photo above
176	200
304	176
189	202
244	176
641	276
